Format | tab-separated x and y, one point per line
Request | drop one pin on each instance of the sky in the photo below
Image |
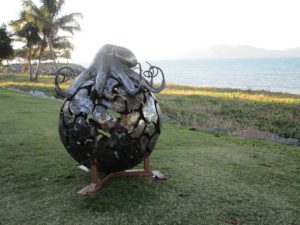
167	29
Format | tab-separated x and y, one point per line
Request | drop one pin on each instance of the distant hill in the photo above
240	51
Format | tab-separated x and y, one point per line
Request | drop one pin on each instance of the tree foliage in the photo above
28	33
40	25
6	50
49	22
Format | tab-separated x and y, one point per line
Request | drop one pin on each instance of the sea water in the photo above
270	74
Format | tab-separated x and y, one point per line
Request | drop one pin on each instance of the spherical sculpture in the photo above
110	116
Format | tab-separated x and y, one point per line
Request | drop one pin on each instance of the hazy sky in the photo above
158	29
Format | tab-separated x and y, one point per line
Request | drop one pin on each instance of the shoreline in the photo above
231	89
236	89
48	68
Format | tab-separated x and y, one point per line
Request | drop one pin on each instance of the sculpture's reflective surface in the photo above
109	115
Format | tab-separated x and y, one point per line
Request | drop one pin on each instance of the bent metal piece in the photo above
110	120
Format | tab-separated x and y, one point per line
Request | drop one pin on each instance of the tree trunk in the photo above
25	67
52	51
29	62
41	50
38	64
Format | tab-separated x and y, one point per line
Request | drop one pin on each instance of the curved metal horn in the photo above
152	72
58	81
150	88
79	80
145	83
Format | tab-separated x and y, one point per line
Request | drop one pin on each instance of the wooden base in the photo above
98	180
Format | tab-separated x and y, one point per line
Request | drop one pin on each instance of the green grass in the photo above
201	107
282	118
210	177
233	109
21	82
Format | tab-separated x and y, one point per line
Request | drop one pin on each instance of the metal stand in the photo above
98	179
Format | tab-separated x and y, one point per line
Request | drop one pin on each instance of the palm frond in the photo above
34	13
70	18
50	6
30	8
70	29
59	4
16	24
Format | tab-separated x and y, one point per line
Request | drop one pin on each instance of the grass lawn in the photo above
212	179
201	107
233	109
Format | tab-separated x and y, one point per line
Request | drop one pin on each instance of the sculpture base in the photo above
98	180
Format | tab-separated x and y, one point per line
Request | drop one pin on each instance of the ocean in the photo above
270	74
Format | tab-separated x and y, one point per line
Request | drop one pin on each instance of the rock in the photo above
253	133
38	93
167	119
215	129
44	68
287	141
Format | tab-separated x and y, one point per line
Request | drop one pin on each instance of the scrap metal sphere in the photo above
117	130
109	116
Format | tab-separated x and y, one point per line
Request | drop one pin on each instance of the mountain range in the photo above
239	51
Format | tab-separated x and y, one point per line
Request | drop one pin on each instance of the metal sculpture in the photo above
110	116
115	62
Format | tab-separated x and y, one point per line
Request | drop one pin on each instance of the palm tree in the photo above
49	22
28	32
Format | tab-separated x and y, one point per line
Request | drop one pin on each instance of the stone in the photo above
38	93
253	133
